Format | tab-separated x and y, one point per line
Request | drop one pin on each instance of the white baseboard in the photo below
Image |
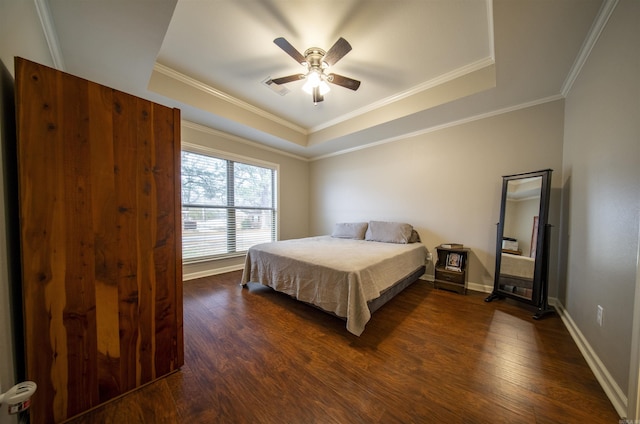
210	272
610	387
483	288
427	277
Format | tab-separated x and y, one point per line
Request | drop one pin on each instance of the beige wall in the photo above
447	183
293	187
601	184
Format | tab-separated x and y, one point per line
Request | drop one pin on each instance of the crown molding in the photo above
445	125
50	34
589	42
449	76
172	73
236	139
230	137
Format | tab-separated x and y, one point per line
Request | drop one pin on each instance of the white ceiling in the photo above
229	45
423	63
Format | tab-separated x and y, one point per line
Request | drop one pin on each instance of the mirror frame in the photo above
541	267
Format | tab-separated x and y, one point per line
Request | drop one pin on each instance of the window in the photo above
227	206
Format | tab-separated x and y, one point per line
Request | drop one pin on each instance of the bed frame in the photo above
394	290
519	286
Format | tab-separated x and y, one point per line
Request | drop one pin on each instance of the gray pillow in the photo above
389	232
350	230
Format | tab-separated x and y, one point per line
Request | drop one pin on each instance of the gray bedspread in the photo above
517	266
337	275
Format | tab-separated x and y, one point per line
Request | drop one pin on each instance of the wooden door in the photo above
99	190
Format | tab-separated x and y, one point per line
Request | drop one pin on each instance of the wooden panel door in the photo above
99	189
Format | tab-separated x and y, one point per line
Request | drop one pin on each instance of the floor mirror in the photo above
522	244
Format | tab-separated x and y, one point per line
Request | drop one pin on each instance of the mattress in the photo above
337	275
517	266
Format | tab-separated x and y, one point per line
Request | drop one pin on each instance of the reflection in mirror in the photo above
521	245
519	237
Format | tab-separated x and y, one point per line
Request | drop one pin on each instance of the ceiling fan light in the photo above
324	88
315	84
307	87
314	78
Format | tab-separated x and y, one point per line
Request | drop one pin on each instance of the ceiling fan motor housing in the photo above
314	56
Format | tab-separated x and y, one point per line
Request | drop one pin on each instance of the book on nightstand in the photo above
452	245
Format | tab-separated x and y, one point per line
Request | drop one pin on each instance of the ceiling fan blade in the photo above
346	82
290	78
290	50
337	51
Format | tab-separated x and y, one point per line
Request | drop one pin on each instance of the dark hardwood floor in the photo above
428	356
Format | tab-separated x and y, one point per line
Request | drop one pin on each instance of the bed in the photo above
348	274
516	274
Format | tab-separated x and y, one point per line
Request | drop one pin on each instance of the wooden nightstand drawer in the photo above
450	276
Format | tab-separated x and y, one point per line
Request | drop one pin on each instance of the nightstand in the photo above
451	269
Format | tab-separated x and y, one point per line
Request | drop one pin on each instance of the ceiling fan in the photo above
316	61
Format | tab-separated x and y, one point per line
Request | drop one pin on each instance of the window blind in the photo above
227	206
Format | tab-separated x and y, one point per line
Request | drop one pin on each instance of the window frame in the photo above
219	154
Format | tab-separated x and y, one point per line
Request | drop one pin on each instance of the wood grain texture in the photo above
100	221
427	356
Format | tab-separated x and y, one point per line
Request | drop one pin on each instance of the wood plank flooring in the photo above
428	356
